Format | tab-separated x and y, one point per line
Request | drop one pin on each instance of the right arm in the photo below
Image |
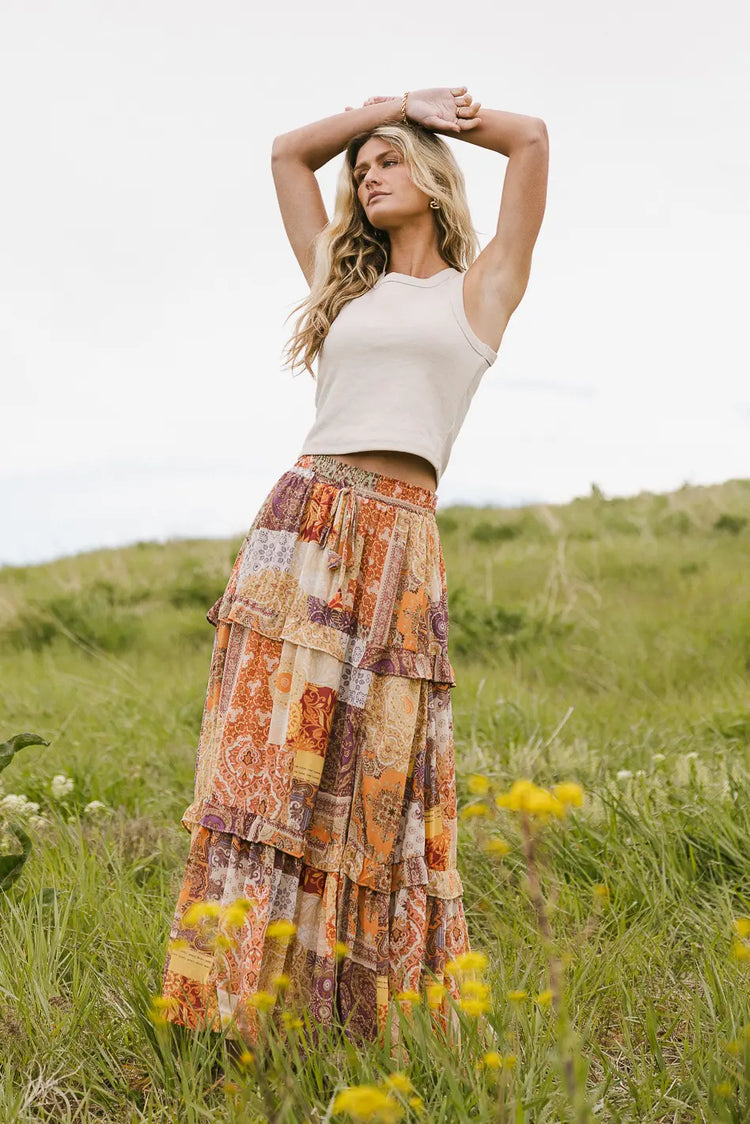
296	156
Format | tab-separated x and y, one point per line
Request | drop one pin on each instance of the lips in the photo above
376	195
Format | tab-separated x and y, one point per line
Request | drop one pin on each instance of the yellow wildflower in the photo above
471	811
543	803
417	1104
476	988
263	1000
742	926
509	1061
734	1047
161	1006
544	998
740	951
399	1081
496	846
435	993
221	942
513	800
517	996
231	1087
569	793
178	945
198	912
723	1089
467	962
474	1006
478	784
281	929
408	996
367	1102
492	1060
525	796
281	981
247	1057
340	949
600	890
292	1022
234	915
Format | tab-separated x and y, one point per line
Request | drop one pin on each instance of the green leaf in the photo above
9	749
12	865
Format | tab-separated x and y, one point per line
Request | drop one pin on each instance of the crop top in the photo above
398	370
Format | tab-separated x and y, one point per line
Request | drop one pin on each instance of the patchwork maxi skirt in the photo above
325	790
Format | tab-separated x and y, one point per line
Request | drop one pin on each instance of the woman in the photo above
322	865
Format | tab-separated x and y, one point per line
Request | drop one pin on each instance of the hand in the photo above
436	108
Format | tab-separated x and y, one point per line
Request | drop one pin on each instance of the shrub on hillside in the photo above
90	617
731	523
487	631
486	532
194	585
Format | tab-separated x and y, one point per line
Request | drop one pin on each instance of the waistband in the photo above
378	485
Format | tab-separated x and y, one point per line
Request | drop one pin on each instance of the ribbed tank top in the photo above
398	370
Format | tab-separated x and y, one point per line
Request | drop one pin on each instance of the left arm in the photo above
495	283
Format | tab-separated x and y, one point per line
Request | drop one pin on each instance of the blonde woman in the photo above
322	871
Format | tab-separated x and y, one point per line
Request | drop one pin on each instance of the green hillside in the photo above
604	641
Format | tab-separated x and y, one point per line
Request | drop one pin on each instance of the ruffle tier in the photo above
360	578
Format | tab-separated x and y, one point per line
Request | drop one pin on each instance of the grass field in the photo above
603	642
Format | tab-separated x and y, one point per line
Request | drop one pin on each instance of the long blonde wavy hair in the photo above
350	253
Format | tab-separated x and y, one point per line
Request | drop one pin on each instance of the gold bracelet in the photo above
403	107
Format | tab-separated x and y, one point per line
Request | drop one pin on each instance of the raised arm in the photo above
296	156
496	281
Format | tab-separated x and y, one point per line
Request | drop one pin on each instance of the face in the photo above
384	186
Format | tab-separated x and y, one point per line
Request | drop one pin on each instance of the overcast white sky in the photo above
145	274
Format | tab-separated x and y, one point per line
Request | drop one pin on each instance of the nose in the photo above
370	181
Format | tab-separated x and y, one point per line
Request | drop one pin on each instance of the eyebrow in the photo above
359	167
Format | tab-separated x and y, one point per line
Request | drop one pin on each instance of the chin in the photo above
382	217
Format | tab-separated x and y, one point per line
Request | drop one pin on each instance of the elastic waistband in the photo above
377	484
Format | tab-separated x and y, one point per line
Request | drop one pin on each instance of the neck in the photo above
413	249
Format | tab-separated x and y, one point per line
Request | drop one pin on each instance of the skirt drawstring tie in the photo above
339	534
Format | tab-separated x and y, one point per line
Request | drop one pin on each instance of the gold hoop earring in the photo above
434	204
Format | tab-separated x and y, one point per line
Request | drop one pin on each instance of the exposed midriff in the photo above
404	466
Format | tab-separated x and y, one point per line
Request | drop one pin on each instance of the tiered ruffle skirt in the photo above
325	788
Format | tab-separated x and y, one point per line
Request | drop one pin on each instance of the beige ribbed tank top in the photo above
398	370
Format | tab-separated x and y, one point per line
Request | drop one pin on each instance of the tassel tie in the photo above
339	534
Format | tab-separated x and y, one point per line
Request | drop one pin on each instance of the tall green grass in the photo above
601	641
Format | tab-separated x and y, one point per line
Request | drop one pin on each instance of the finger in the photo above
456	90
472	124
435	122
